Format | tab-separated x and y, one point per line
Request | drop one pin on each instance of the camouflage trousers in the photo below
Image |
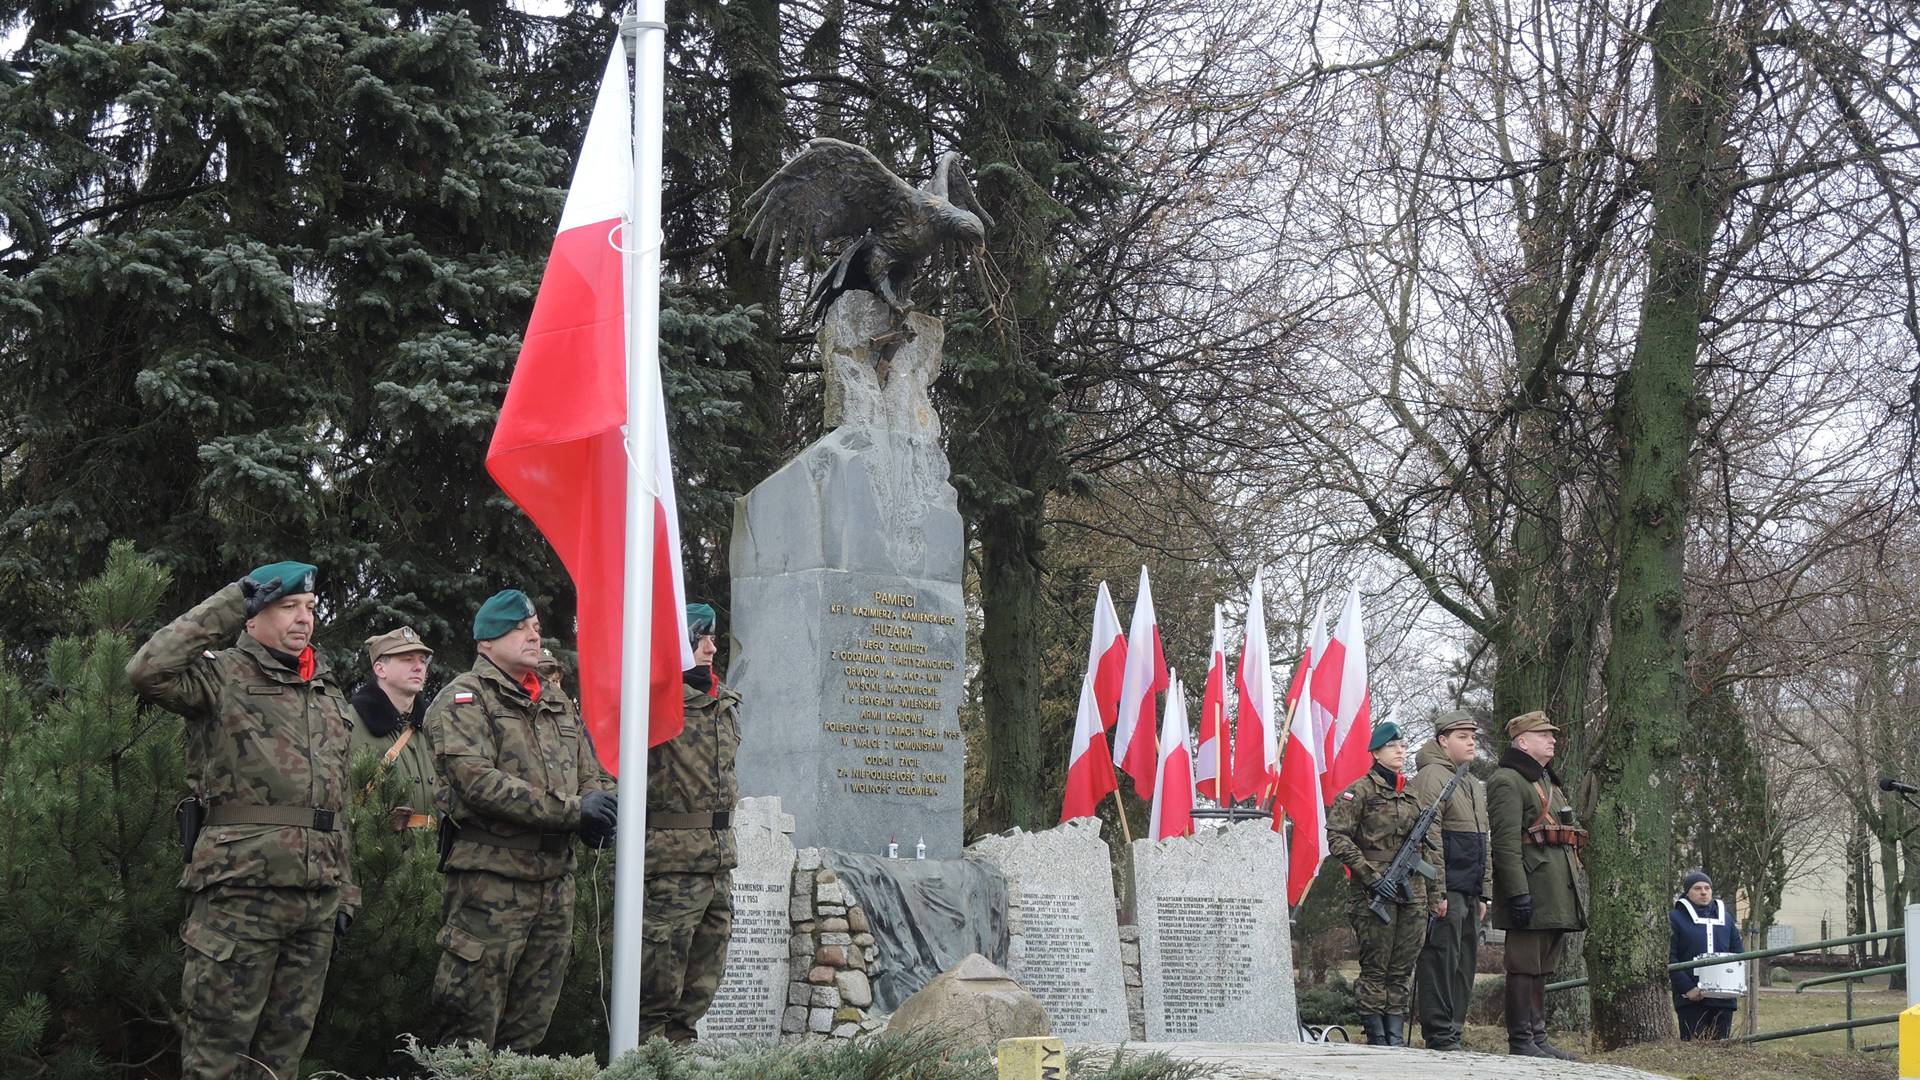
255	966
1388	951
688	920
506	946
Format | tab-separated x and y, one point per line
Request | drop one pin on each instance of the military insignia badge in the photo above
463	697
406	633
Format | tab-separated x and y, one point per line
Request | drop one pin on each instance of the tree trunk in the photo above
1657	414
1016	762
749	43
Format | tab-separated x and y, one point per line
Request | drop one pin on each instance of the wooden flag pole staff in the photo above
1273	785
1126	832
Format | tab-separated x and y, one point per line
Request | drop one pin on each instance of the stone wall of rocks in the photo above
1136	988
832	947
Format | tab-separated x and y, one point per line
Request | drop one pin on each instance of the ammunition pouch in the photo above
1548	834
190	814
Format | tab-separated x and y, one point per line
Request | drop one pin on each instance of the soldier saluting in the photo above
266	750
520	780
1536	869
1370	822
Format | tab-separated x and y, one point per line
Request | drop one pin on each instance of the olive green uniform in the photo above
1521	795
515	767
1443	981
1368	823
413	761
268	751
690	853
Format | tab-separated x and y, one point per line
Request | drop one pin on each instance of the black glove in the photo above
341	920
1520	910
258	594
1384	892
599	814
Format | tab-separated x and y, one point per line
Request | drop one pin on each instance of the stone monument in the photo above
848	619
753	988
1216	954
1063	935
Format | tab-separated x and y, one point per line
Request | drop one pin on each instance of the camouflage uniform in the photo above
515	768
691	790
268	750
1369	822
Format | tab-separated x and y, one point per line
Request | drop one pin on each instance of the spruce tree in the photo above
89	858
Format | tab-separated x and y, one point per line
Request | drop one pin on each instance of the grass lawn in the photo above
1810	1057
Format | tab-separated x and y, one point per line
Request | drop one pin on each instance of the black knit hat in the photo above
1692	878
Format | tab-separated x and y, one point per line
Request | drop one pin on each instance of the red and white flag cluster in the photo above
1298	753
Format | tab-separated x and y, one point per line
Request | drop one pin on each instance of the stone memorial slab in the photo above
1063	937
753	987
849	623
1215	953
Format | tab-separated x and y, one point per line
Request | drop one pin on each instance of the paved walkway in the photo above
1333	1061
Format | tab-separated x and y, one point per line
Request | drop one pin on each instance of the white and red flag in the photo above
559	447
1339	686
1173	794
1213	776
1146	675
1299	796
1256	743
1090	766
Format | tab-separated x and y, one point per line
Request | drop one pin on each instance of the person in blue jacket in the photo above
1701	925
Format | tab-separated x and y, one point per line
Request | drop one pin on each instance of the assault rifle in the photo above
1392	885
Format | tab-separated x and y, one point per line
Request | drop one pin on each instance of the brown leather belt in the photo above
299	817
419	821
544	841
721	820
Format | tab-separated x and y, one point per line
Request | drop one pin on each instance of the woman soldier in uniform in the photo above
1369	823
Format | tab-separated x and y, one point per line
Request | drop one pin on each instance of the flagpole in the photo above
645	33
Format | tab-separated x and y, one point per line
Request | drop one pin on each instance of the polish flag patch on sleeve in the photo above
463	697
1347	795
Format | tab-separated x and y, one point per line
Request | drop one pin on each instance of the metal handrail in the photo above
1842	1025
1849	976
1755	954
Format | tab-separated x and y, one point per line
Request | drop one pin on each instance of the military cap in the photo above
1384	734
701	620
294	578
1454	720
549	663
502	612
395	642
1532	721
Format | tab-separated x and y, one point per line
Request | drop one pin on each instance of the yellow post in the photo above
1039	1057
1909	1044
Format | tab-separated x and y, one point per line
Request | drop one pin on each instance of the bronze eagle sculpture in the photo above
834	190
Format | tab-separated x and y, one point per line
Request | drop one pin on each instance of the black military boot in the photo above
1376	1026
1396	1029
1519	1006
1538	989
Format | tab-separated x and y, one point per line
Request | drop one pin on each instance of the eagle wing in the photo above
831	190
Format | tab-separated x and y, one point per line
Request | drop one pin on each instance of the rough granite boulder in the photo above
975	1004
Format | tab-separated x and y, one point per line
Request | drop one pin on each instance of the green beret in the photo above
294	577
502	612
1384	734
701	620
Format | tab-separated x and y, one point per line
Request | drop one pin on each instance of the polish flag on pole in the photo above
1339	686
581	446
1173	795
1213	776
559	448
1256	744
1146	675
1299	797
1090	768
